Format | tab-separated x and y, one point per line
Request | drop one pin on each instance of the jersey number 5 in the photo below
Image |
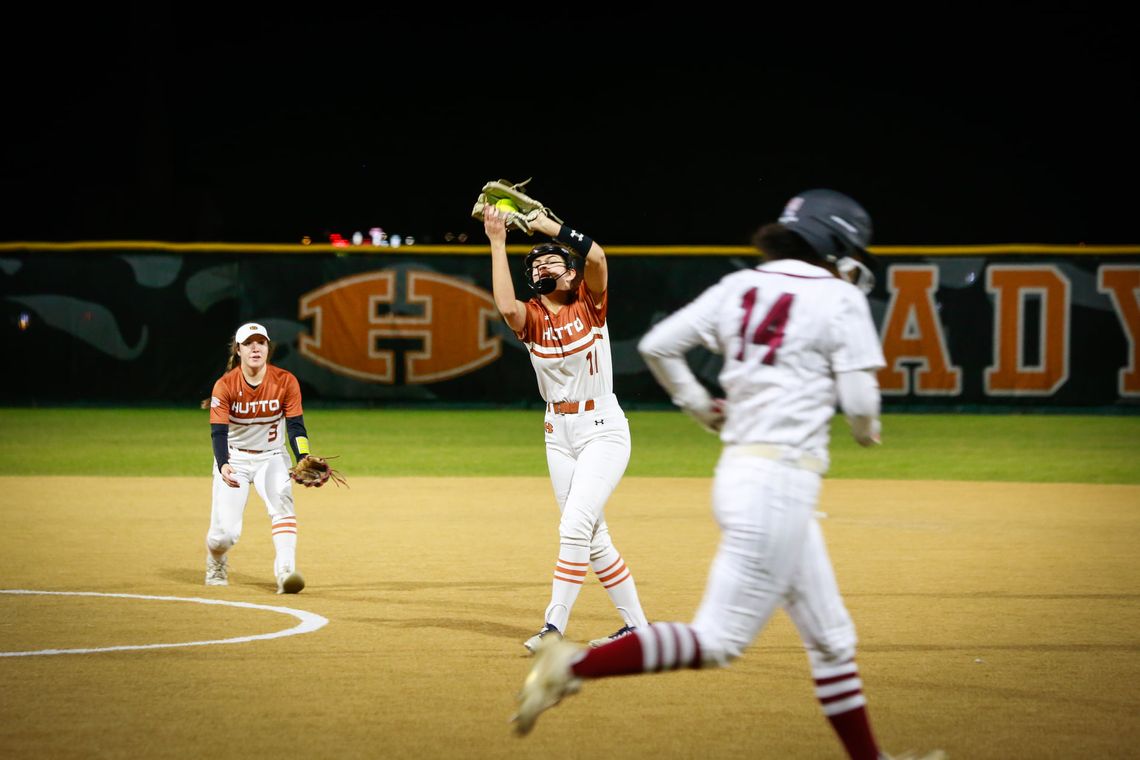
770	331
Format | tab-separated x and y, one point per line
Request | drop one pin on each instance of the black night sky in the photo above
200	123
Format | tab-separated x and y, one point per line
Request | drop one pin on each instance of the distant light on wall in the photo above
306	240
375	237
24	320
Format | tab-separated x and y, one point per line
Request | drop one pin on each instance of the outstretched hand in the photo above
495	224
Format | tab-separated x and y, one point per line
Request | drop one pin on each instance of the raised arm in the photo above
512	309
596	271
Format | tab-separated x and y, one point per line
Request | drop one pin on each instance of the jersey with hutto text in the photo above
784	328
256	415
570	350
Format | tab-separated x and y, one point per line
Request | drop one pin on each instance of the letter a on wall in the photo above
912	334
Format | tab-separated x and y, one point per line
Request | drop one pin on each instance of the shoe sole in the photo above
292	584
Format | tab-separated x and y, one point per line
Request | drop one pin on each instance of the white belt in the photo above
785	454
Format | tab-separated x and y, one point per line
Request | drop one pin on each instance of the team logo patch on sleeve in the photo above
215	402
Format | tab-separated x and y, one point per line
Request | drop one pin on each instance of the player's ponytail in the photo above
234	358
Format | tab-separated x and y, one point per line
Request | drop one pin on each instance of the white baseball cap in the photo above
249	329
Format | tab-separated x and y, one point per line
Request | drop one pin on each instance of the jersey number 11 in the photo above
592	361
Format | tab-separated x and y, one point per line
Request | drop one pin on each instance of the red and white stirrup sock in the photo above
653	648
840	692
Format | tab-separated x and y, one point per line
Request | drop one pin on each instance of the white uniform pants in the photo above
587	454
269	474
771	555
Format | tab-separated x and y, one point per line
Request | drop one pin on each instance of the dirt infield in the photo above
995	621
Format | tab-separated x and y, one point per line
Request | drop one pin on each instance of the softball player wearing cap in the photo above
587	434
253	407
796	338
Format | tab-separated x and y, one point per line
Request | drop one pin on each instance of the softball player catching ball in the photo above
587	434
253	407
796	338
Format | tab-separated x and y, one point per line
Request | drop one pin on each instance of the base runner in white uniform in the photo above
254	407
587	434
796	338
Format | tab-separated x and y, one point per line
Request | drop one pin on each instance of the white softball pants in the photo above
771	555
587	454
268	472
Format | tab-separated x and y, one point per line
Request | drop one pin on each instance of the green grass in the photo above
397	442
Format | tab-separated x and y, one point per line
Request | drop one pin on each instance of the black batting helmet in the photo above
833	224
547	284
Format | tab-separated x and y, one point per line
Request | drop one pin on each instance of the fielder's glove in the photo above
528	208
313	472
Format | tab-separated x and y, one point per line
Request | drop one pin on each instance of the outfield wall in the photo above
139	322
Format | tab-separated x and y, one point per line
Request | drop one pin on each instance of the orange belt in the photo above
571	407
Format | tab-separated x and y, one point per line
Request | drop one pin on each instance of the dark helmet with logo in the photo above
833	224
547	284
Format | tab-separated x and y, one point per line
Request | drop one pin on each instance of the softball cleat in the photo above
290	582
547	630
622	632
217	572
549	680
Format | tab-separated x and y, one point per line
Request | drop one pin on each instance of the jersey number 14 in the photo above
770	331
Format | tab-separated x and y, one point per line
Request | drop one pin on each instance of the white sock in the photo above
285	542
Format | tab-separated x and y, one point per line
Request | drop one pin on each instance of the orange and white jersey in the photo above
570	350
256	415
